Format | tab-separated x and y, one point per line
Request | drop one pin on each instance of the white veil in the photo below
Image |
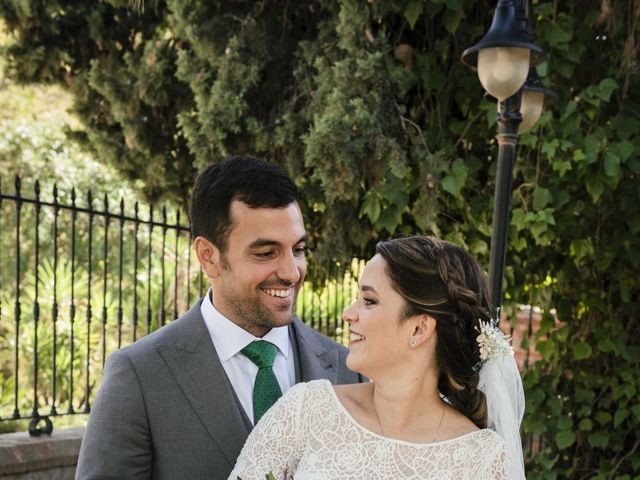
502	386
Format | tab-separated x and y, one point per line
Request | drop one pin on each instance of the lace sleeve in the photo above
496	467
274	444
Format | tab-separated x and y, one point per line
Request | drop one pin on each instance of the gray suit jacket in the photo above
166	409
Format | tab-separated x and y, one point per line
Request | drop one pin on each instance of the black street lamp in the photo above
505	58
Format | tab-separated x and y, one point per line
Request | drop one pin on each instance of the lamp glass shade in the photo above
530	109
503	70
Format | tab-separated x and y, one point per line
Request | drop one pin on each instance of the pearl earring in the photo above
413	344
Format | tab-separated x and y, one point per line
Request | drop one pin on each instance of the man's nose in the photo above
289	268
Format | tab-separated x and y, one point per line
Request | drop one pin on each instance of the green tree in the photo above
367	105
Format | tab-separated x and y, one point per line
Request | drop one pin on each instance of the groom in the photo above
179	403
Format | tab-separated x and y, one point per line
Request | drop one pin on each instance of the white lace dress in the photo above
309	435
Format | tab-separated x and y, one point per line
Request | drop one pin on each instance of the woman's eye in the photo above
368	301
300	251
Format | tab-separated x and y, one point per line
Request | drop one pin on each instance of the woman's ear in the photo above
208	256
424	329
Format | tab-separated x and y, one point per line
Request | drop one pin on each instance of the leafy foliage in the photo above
369	108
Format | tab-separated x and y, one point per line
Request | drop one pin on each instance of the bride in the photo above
421	330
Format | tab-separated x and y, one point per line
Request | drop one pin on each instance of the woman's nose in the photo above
349	314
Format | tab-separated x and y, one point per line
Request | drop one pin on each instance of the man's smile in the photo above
278	292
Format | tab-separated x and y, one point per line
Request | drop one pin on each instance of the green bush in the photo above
369	108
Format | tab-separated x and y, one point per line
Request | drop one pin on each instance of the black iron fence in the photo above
82	276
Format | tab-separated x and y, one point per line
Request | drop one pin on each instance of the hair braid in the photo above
444	281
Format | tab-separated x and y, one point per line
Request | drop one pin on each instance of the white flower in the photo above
493	343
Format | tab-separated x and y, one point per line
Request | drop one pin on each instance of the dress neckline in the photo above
345	412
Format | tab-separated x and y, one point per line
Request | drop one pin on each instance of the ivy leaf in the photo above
584	395
561	198
370	207
620	416
585	424
390	218
451	19
634	164
605	344
603	417
455	4
624	284
561	167
564	423
581	248
545	348
393	190
599	439
578	155
557	34
622	149
541	198
581	350
572	106
449	185
537	229
565	439
412	12
454	182
612	165
605	88
592	148
433	80
460	170
549	148
626	127
629	390
595	187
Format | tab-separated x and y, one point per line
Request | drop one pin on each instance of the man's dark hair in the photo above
254	182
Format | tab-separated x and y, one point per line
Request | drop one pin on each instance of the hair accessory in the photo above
493	343
413	344
502	386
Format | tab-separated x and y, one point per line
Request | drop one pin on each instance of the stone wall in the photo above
54	457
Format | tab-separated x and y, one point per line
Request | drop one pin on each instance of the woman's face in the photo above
378	340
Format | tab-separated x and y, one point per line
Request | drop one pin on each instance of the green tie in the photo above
266	389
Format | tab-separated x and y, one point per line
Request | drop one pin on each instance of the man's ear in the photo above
209	257
424	329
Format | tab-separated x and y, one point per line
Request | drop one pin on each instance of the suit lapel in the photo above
316	361
195	364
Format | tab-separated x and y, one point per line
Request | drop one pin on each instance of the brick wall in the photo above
40	458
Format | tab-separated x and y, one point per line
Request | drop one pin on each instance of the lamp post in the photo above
505	59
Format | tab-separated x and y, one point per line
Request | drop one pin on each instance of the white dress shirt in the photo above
229	339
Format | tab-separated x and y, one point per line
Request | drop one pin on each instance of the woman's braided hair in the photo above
442	280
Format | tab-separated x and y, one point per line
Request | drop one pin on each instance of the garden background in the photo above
367	105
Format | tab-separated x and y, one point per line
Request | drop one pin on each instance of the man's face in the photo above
260	274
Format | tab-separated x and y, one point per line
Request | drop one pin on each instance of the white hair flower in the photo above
493	343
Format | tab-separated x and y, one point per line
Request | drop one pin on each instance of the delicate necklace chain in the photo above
435	435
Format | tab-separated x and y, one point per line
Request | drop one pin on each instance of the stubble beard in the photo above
252	312
249	312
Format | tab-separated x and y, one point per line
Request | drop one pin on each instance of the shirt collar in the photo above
229	338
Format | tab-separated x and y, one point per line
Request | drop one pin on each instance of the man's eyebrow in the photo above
368	288
265	242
